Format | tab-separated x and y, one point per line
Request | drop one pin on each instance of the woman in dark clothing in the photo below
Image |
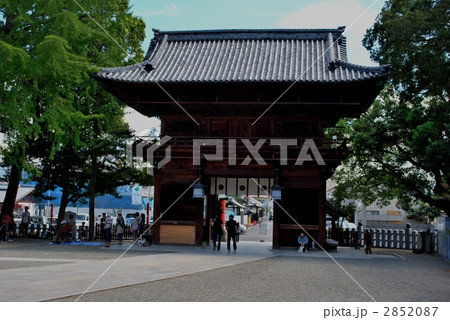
367	242
217	230
142	224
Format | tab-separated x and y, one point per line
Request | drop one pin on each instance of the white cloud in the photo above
169	9
335	13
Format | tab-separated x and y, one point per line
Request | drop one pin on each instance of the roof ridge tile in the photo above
265	55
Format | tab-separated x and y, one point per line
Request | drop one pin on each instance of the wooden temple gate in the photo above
243	104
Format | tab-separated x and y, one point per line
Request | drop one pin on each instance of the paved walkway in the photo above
74	277
38	271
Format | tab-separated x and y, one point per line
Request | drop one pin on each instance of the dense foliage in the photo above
54	116
401	145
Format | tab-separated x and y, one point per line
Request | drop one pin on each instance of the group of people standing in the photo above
106	223
137	227
367	242
8	226
232	230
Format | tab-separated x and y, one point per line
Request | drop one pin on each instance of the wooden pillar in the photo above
322	212
157	209
199	222
211	213
276	225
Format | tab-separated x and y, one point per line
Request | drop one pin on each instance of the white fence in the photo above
390	238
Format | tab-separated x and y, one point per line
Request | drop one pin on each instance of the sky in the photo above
356	15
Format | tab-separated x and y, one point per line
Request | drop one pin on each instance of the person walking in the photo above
217	230
24	223
120	227
358	236
135	226
238	231
231	232
102	226
107	222
367	242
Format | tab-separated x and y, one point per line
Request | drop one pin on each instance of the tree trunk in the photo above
93	182
92	198
62	209
11	192
9	25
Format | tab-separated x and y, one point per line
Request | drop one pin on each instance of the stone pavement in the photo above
39	276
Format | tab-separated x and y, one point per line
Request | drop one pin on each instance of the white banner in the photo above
136	195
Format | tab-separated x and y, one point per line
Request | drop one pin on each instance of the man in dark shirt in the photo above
217	232
25	221
231	232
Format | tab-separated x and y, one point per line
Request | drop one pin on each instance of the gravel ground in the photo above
288	279
403	276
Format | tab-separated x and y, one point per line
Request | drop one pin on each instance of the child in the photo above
83	231
51	232
63	230
11	228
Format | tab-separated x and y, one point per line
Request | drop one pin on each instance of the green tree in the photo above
339	208
399	151
413	37
106	134
424	213
48	49
37	77
70	170
400	146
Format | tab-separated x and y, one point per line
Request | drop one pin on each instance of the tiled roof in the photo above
287	55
